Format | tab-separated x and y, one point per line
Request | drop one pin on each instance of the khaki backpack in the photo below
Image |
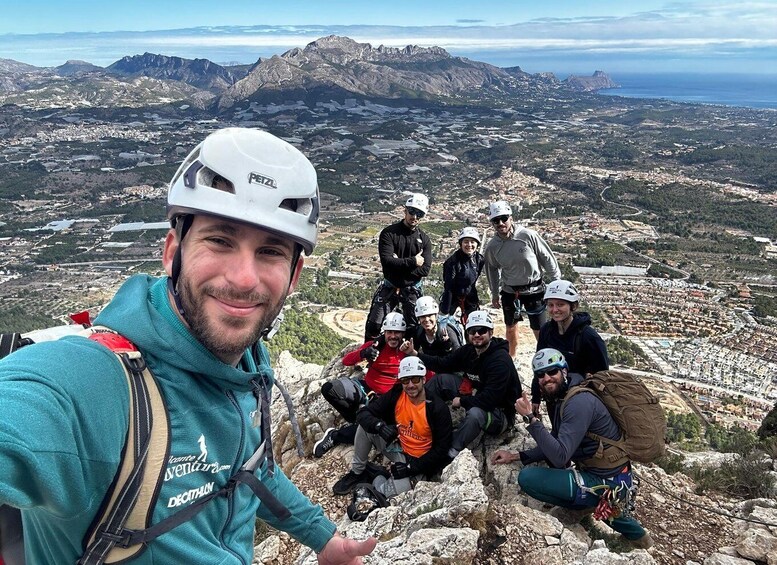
637	412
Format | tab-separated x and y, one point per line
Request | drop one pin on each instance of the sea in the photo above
747	90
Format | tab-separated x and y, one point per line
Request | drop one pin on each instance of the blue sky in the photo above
562	36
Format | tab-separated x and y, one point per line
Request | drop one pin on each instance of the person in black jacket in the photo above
405	253
412	431
569	332
460	272
487	363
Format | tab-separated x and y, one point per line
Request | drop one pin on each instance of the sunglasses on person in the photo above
407	380
416	212
547	373
482	330
500	220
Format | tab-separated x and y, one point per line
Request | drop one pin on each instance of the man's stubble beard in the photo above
205	332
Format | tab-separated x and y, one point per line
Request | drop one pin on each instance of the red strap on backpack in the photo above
113	341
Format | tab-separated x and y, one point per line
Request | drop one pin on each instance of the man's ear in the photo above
171	246
295	275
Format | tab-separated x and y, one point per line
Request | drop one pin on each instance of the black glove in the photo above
369	353
401	470
388	432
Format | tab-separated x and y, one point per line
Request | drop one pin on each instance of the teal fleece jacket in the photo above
63	421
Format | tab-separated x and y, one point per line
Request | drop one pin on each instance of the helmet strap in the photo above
182	225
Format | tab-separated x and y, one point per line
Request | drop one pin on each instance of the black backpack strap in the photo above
10	342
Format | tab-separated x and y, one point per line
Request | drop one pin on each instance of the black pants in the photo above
388	299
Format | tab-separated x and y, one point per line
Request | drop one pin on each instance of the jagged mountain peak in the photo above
336	43
340	64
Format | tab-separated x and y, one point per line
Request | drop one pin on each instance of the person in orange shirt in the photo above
412	431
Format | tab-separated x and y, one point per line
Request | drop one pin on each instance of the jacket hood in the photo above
580	320
495	344
141	312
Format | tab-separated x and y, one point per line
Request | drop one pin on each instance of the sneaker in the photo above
348	482
645	542
326	443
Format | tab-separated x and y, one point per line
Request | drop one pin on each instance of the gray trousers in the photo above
446	387
363	444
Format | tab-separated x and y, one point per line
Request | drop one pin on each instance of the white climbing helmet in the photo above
562	290
426	305
418	201
547	358
411	367
394	321
499	208
480	319
470	232
250	176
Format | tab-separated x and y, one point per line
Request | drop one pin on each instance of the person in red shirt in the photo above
348	394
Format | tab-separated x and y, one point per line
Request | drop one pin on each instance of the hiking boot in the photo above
645	542
326	443
348	482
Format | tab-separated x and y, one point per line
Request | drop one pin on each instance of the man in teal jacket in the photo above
243	205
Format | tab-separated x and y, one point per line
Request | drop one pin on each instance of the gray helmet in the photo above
546	359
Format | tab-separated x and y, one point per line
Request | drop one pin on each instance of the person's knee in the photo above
478	415
529	478
326	390
535	321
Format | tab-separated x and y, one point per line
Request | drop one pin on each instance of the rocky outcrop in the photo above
477	514
598	81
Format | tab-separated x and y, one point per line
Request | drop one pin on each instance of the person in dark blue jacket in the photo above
460	272
570	332
583	486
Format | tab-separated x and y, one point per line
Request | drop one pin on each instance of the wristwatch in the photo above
529	418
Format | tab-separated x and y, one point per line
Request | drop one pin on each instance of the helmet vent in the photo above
302	206
211	178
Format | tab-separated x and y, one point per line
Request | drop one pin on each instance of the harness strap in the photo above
129	538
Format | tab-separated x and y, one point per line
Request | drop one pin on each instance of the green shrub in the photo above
744	477
670	463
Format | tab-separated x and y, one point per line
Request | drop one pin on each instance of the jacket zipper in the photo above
236	465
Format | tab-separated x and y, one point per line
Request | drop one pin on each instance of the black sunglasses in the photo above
407	380
482	330
500	220
547	373
416	212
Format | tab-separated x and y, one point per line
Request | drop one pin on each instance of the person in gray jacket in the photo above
596	483
517	258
